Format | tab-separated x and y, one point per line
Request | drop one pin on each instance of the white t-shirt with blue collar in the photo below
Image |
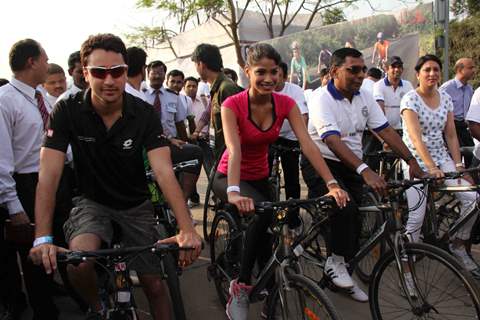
383	91
330	113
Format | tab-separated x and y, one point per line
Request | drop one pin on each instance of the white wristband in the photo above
42	240
233	189
330	182
459	165
361	167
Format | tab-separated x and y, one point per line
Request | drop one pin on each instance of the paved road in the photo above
200	295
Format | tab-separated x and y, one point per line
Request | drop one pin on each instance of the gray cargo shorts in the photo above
137	227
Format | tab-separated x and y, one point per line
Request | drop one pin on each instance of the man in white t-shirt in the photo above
473	119
373	75
338	116
388	93
287	137
75	70
137	59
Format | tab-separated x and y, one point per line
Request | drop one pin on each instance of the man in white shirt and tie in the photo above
23	118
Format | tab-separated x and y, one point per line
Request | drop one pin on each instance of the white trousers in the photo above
467	200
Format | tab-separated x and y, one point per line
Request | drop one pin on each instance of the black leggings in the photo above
258	244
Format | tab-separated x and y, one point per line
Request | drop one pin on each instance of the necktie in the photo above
42	108
156	103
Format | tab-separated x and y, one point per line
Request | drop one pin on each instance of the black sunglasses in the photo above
357	69
101	72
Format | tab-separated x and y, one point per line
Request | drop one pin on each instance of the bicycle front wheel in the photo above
303	299
443	289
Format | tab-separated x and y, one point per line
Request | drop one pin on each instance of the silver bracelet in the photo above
233	189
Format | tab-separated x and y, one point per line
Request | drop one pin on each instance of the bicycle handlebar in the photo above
428	180
176	168
267	206
283	149
73	257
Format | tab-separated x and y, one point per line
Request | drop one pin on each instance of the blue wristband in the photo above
42	240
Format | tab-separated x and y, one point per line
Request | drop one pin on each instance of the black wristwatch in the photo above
410	157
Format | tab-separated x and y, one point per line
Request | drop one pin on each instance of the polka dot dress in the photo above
432	123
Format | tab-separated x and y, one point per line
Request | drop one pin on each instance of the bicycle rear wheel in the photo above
303	299
225	250
443	290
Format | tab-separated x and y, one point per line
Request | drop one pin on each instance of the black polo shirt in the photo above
109	164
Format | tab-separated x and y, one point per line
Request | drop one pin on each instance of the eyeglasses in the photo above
357	69
101	72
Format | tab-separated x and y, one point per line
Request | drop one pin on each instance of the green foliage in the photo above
332	16
464	42
148	37
465	7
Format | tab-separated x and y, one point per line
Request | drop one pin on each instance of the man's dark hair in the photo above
175	73
190	79
3	82
284	67
323	72
339	56
21	51
231	73
54	68
374	73
262	50
105	41
424	59
137	58
155	64
73	59
209	55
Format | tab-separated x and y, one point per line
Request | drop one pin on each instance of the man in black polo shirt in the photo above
108	130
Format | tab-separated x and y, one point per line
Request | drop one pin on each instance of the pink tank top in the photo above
255	141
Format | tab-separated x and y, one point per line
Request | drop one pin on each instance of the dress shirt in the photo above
172	109
21	133
461	96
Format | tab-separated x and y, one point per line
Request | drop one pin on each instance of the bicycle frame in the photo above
430	220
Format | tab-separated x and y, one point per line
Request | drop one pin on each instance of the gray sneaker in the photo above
238	303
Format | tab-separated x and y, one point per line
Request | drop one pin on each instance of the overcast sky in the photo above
62	25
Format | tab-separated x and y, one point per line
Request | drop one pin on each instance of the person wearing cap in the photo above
380	49
461	93
389	92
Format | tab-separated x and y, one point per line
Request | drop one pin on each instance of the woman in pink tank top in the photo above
251	121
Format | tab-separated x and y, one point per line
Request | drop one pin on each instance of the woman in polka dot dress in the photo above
427	118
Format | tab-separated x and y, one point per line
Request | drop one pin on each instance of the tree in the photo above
471	7
151	37
332	16
229	14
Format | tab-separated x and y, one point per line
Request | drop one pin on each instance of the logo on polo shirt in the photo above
128	144
365	111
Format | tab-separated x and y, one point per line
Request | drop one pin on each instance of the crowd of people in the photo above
72	160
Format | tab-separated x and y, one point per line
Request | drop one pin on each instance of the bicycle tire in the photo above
208	211
423	253
170	268
225	239
369	222
306	286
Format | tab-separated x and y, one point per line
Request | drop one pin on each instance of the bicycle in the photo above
275	178
226	246
117	287
211	203
442	216
410	279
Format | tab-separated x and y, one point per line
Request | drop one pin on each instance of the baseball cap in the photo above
394	60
